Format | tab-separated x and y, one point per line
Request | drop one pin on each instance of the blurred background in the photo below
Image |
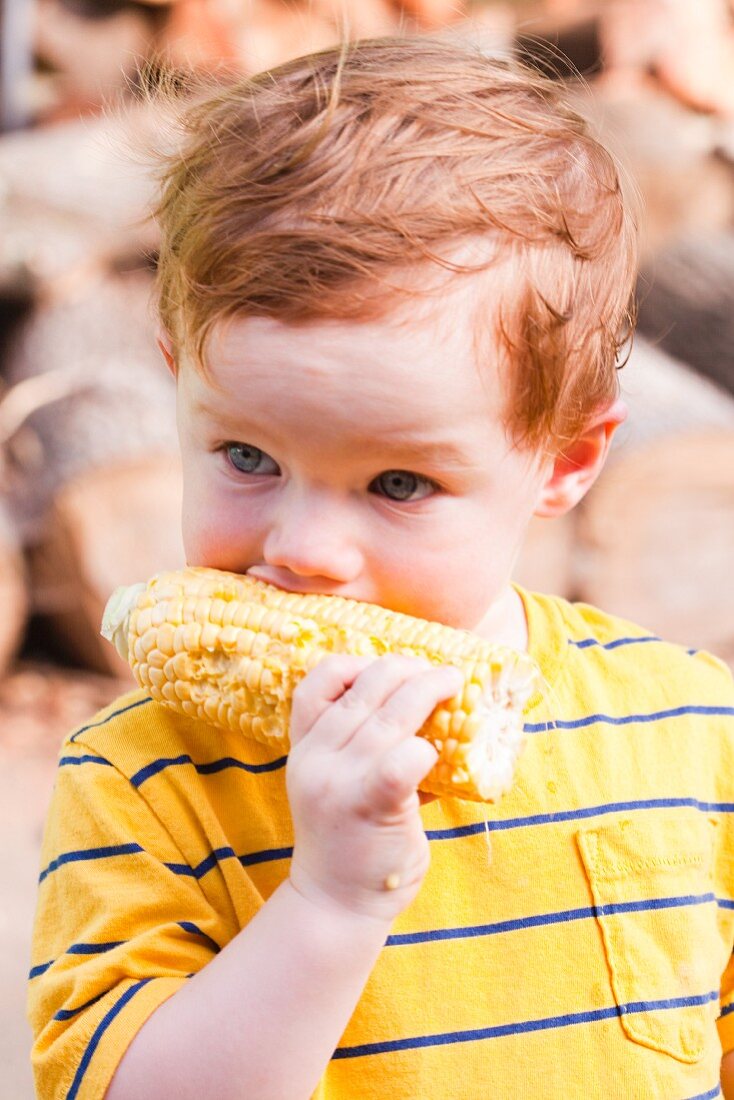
89	478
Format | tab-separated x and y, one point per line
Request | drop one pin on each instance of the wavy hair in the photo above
303	193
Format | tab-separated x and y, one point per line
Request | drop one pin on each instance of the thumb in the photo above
397	774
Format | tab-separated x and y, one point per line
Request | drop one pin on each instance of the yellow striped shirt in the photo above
574	941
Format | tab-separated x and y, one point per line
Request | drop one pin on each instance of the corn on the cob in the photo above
230	650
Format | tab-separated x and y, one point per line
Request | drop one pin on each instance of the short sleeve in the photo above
116	932
726	1016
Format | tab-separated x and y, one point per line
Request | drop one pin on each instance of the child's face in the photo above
363	459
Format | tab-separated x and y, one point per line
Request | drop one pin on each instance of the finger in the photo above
368	693
320	688
395	777
408	708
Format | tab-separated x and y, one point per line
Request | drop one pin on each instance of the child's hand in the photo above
352	774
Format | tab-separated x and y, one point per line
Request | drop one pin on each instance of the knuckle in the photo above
351	700
388	719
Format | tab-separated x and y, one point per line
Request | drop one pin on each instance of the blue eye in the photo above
403	485
250	460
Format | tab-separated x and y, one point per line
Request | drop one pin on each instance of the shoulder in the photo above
128	732
142	738
641	651
121	716
589	642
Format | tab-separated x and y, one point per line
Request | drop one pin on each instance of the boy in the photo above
392	285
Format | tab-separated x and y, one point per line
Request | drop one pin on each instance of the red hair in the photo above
302	193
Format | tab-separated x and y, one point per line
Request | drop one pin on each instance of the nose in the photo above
313	536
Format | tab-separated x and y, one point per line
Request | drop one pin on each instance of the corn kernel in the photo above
230	650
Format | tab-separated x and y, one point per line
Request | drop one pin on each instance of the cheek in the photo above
217	532
450	581
461	592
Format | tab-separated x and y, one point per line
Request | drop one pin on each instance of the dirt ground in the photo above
38	705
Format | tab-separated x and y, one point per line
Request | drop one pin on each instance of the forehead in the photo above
416	365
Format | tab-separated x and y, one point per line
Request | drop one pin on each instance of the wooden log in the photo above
687	303
103	394
13	595
667	398
110	526
663	468
657	532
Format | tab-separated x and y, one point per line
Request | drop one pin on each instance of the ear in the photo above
577	466
165	343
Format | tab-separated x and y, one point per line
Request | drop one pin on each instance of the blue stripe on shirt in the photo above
625	719
568	1019
93	948
36	971
267	855
206	864
599	810
539	920
115	714
69	1013
208	768
89	853
76	949
100	948
86	759
194	930
248	860
461	932
585	643
99	1032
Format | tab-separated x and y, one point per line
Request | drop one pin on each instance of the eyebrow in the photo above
443	452
200	405
407	451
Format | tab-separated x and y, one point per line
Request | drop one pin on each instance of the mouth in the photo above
305	586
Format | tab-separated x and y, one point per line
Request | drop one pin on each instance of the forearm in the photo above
262	1019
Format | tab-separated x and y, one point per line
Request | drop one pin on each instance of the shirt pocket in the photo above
652	888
